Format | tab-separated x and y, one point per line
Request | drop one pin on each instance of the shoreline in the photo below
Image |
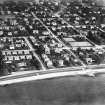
34	76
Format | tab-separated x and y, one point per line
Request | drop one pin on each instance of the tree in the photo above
1	62
3	67
1	59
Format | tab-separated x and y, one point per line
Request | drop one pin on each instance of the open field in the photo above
61	91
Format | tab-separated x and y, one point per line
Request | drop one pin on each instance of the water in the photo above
61	91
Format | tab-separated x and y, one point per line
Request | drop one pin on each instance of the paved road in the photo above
62	91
